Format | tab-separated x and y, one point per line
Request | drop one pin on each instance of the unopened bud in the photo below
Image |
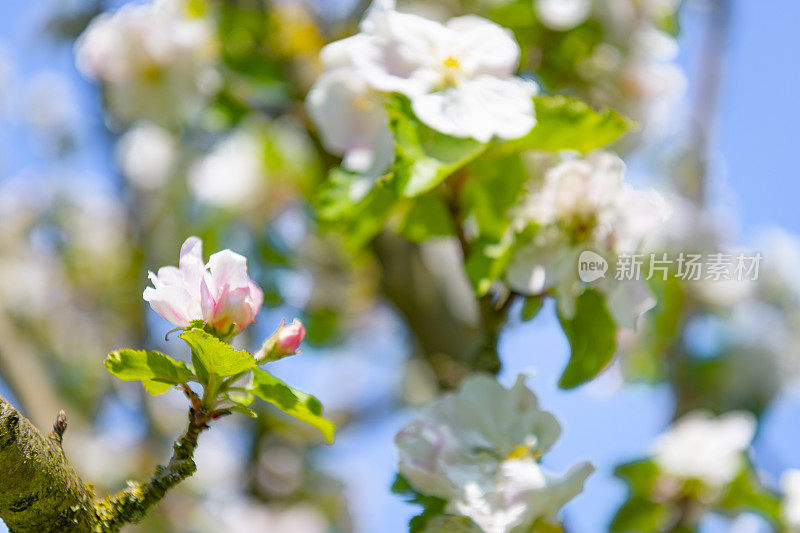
289	338
283	343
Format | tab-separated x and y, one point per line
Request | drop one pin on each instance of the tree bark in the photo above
40	491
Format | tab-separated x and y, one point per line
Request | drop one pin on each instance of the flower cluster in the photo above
584	204
459	77
219	293
155	60
479	449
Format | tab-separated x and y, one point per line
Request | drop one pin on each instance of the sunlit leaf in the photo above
592	338
424	157
564	123
291	401
212	357
157	372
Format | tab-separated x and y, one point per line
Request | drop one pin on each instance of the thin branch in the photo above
132	504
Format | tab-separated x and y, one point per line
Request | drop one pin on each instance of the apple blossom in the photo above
478	448
699	446
220	293
459	77
231	174
583	204
154	59
146	154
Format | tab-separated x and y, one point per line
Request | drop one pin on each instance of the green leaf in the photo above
432	506
565	123
241	403
592	337
212	357
158	372
428	217
640	515
424	158
494	185
747	493
487	261
532	306
291	401
359	207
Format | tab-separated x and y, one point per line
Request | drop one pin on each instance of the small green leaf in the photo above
291	401
428	217
487	261
212	357
592	338
531	308
747	493
494	185
158	372
640	515
424	157
432	507
358	205
241	402
565	123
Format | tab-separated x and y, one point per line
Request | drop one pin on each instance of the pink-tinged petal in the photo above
191	262
168	275
208	302
256	297
232	310
172	303
228	268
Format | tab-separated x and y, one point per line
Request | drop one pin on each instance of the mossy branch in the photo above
40	491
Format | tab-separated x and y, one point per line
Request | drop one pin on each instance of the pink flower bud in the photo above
289	338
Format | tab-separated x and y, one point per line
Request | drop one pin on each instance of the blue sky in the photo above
755	148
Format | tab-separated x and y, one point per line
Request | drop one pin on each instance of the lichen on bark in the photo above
40	491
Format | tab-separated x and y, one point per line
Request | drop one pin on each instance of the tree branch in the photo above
132	504
40	491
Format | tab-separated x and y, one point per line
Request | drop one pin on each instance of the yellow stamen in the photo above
451	62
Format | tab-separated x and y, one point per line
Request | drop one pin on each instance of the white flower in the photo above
479	447
562	14
708	449
583	204
146	154
220	292
790	506
352	121
152	57
459	77
231	175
